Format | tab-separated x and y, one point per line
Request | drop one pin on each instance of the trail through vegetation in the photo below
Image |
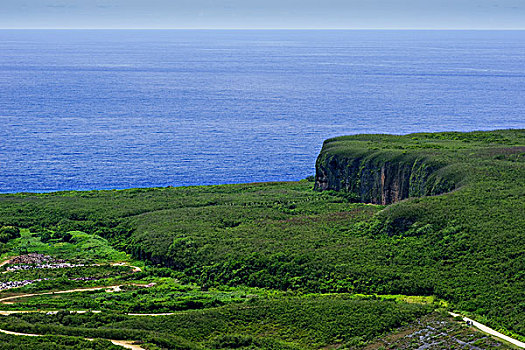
488	330
124	343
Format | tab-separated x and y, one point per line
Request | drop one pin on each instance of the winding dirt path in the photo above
5	261
490	331
134	268
18	333
129	344
108	289
124	343
14	312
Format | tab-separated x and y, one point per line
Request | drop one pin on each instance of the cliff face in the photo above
380	179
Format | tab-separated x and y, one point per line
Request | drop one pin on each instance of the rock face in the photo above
380	178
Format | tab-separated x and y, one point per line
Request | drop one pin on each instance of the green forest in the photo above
332	261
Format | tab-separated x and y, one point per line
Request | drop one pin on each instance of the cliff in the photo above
381	170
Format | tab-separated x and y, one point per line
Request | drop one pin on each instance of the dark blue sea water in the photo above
119	109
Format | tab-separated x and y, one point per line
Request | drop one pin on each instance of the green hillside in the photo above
455	230
466	246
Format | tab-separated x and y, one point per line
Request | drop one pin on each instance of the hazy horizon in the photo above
277	29
269	14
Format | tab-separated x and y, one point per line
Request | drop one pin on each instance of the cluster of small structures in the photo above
43	266
32	261
38	261
34	258
41	261
85	279
17	284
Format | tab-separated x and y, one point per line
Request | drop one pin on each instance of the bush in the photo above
8	233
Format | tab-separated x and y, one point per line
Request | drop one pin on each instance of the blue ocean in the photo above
82	110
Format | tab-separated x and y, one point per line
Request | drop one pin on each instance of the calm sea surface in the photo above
119	109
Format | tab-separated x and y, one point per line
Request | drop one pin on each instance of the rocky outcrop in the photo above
380	178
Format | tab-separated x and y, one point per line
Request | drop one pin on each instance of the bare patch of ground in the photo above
435	331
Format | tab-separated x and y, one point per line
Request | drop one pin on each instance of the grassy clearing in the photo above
83	246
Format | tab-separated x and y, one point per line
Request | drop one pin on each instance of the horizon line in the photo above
298	28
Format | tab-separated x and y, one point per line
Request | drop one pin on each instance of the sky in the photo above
264	14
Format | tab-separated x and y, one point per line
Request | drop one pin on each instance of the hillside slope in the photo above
455	228
471	238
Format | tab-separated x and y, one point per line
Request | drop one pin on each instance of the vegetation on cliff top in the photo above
471	241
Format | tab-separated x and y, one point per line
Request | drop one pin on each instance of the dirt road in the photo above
5	262
129	345
134	268
124	343
490	331
108	289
